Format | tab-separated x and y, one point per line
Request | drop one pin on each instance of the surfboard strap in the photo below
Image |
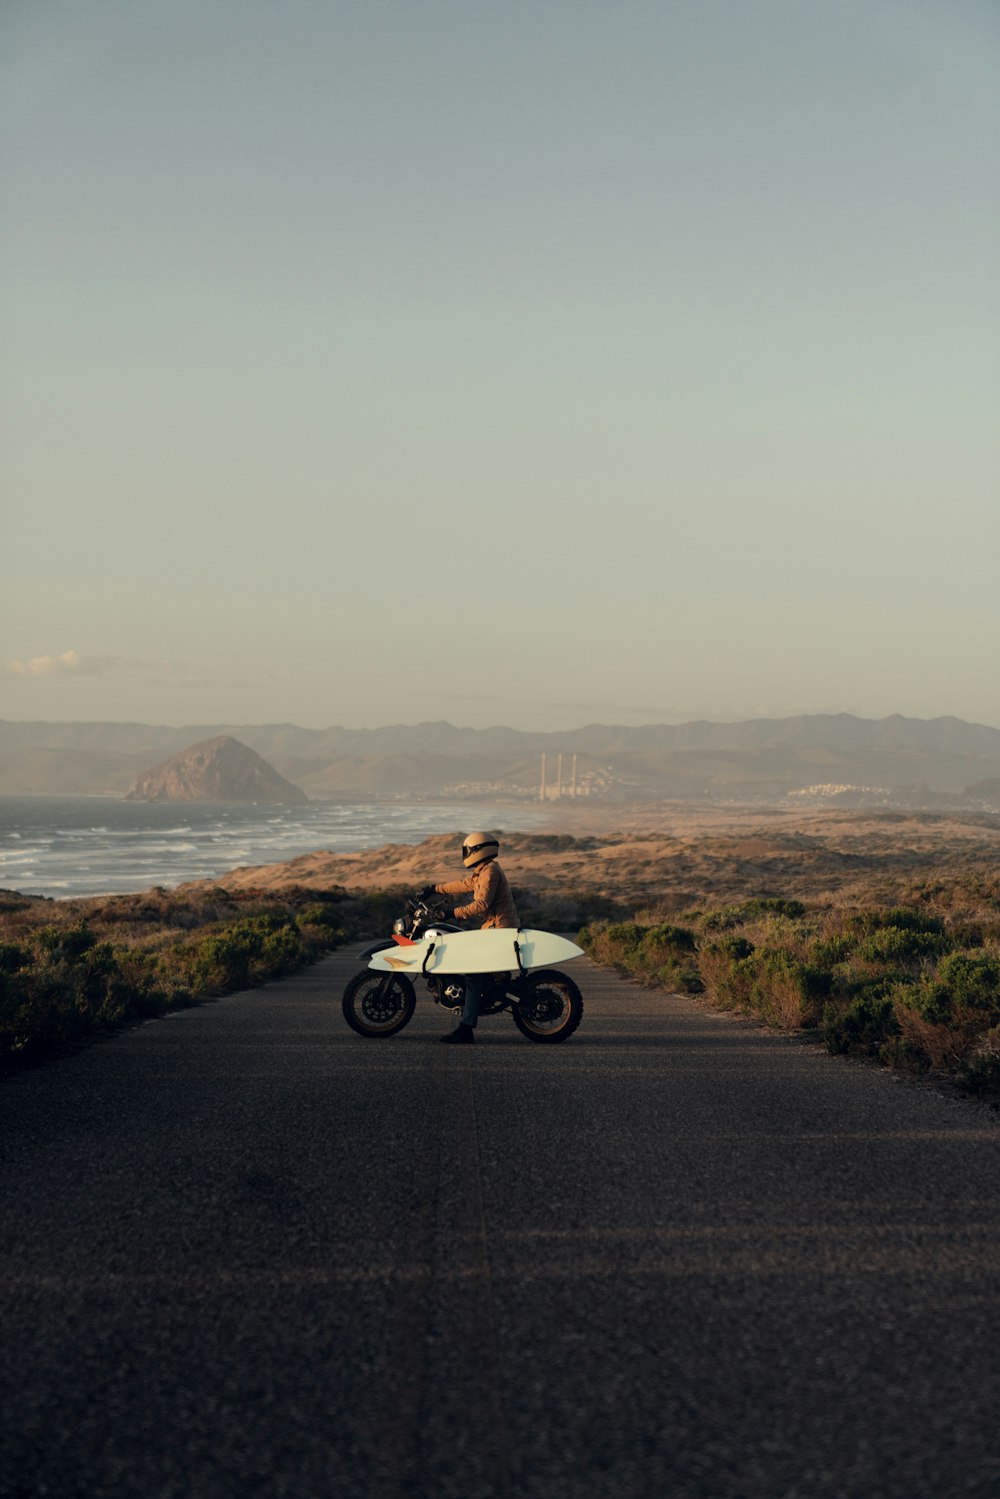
427	957
517	953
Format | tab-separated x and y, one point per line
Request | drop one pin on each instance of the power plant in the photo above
549	792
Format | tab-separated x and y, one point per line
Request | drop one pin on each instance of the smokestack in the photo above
574	777
541	794
559	777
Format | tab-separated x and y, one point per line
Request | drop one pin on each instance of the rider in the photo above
492	900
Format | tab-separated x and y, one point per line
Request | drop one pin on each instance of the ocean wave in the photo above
129	849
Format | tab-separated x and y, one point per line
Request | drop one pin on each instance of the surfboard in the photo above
491	951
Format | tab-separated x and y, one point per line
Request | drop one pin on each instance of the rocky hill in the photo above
217	770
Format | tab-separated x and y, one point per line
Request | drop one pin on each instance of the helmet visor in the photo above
473	848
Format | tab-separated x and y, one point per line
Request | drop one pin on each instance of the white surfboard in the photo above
491	951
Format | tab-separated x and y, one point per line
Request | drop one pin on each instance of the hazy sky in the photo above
531	362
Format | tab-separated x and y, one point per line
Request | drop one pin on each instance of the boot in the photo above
464	1035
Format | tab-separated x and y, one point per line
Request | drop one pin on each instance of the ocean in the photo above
95	845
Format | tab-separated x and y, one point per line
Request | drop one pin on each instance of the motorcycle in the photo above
544	1003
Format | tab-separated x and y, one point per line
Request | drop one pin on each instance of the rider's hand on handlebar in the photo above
427	894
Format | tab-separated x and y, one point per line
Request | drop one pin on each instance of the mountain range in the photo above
757	758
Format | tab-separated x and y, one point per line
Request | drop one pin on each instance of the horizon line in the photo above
495	727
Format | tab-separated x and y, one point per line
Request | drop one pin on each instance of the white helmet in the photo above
477	848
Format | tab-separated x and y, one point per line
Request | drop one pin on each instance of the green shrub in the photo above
66	942
676	939
663	955
13	956
726	969
793	909
685	978
902	917
751	910
946	1014
666	957
322	915
626	936
827	952
722	919
981	1071
616	943
280	950
901	945
963	985
69	984
60	979
969	933
257	947
223	961
884	981
733	947
865	1026
780	988
321	939
908	920
903	1055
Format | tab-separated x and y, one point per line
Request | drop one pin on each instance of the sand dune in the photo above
671	856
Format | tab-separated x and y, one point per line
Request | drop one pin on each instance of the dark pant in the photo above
475	985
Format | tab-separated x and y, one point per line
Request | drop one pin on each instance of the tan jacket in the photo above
491	896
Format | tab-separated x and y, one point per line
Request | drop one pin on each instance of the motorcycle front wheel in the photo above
378	1004
551	1006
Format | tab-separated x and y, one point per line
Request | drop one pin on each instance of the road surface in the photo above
249	1255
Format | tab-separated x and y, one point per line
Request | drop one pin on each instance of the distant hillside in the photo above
841	731
987	791
68	772
764	759
217	770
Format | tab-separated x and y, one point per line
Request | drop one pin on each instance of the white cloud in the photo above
46	666
131	669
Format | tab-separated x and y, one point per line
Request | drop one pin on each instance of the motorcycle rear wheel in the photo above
551	1007
378	1004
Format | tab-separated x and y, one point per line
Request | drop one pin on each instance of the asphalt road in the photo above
247	1253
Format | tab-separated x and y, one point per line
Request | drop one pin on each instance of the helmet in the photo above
477	848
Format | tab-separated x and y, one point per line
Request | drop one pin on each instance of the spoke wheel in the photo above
378	1004
551	1007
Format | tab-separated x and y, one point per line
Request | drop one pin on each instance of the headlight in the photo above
399	926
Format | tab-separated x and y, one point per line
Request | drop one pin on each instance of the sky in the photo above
538	363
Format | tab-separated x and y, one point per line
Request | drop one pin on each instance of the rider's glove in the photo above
427	892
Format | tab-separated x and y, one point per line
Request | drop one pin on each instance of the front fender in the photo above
370	952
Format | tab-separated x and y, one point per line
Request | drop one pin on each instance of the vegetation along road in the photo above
247	1253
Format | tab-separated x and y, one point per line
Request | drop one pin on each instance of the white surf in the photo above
490	951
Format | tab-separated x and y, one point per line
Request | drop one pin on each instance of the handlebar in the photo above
433	909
